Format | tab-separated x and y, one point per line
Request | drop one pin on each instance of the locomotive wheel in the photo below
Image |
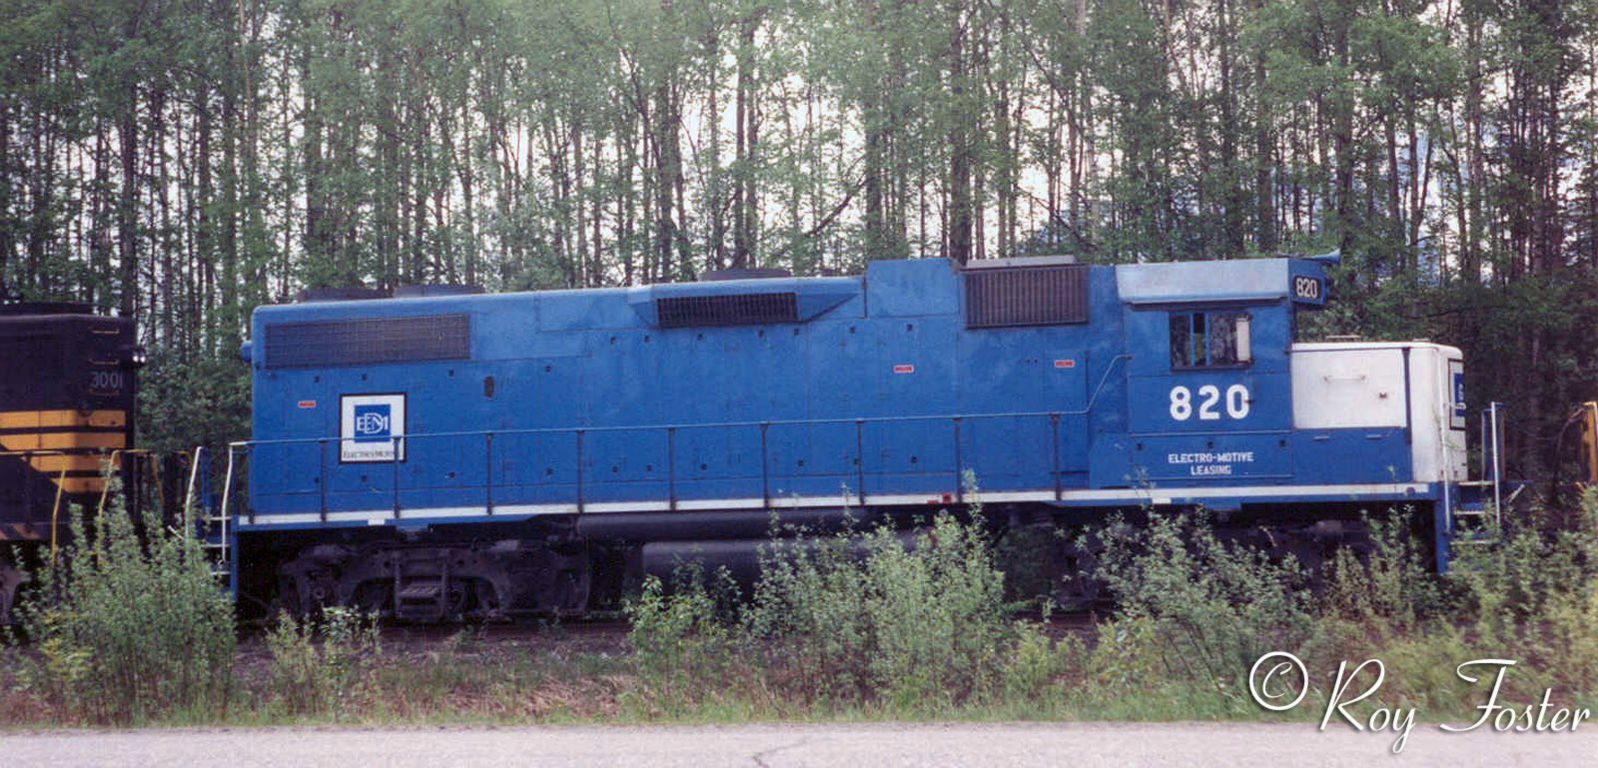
288	600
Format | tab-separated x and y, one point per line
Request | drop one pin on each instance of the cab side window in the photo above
1210	339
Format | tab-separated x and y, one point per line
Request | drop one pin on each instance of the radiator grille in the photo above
997	298
741	309
367	342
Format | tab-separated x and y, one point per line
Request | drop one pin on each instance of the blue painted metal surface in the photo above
879	394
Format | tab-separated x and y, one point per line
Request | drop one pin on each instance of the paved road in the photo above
776	746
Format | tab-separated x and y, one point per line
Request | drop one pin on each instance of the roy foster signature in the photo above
1279	682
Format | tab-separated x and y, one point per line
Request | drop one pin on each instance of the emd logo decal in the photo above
372	428
372	423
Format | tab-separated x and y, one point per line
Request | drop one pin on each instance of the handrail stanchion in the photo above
488	473
227	481
765	468
860	458
249	465
394	460
27	458
1054	469
580	500
959	471
1485	432
188	493
671	468
1498	470
321	473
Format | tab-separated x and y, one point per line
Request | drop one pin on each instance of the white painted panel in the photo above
1427	370
1361	384
1337	386
1437	444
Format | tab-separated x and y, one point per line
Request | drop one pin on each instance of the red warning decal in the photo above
904	369
306	405
1067	363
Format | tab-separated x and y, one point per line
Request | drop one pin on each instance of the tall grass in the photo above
917	625
320	663
129	622
902	624
1194	612
1206	607
911	623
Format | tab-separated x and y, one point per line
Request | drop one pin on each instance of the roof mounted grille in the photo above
368	342
1013	296
727	309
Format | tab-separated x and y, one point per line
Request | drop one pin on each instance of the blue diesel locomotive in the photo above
441	454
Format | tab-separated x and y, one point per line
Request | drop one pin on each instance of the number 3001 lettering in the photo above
105	381
1209	402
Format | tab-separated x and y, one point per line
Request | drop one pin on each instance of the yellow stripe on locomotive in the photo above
70	447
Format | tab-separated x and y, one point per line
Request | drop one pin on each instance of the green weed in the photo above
130	627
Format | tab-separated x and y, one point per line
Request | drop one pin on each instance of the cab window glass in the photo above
1210	339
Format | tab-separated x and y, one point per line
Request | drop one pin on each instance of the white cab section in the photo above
1354	385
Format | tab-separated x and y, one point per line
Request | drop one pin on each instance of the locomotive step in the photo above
423	591
421	601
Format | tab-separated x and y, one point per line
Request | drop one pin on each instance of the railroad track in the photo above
607	634
584	631
614	629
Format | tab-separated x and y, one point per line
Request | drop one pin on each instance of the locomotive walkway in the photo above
774	746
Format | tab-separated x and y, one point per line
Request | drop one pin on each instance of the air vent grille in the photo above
368	342
736	309
999	298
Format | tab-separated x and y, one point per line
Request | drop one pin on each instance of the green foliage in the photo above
915	624
912	622
1534	590
318	664
680	638
1192	606
188	402
1029	556
1038	667
918	624
1194	613
130	622
906	621
1395	584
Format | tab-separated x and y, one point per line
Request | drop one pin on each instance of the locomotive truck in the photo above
444	454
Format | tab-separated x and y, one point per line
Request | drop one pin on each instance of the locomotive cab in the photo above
1209	379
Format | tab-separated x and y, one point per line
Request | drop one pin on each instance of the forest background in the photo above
183	161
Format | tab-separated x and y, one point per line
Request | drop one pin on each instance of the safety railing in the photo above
27	458
1492	457
107	462
576	445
